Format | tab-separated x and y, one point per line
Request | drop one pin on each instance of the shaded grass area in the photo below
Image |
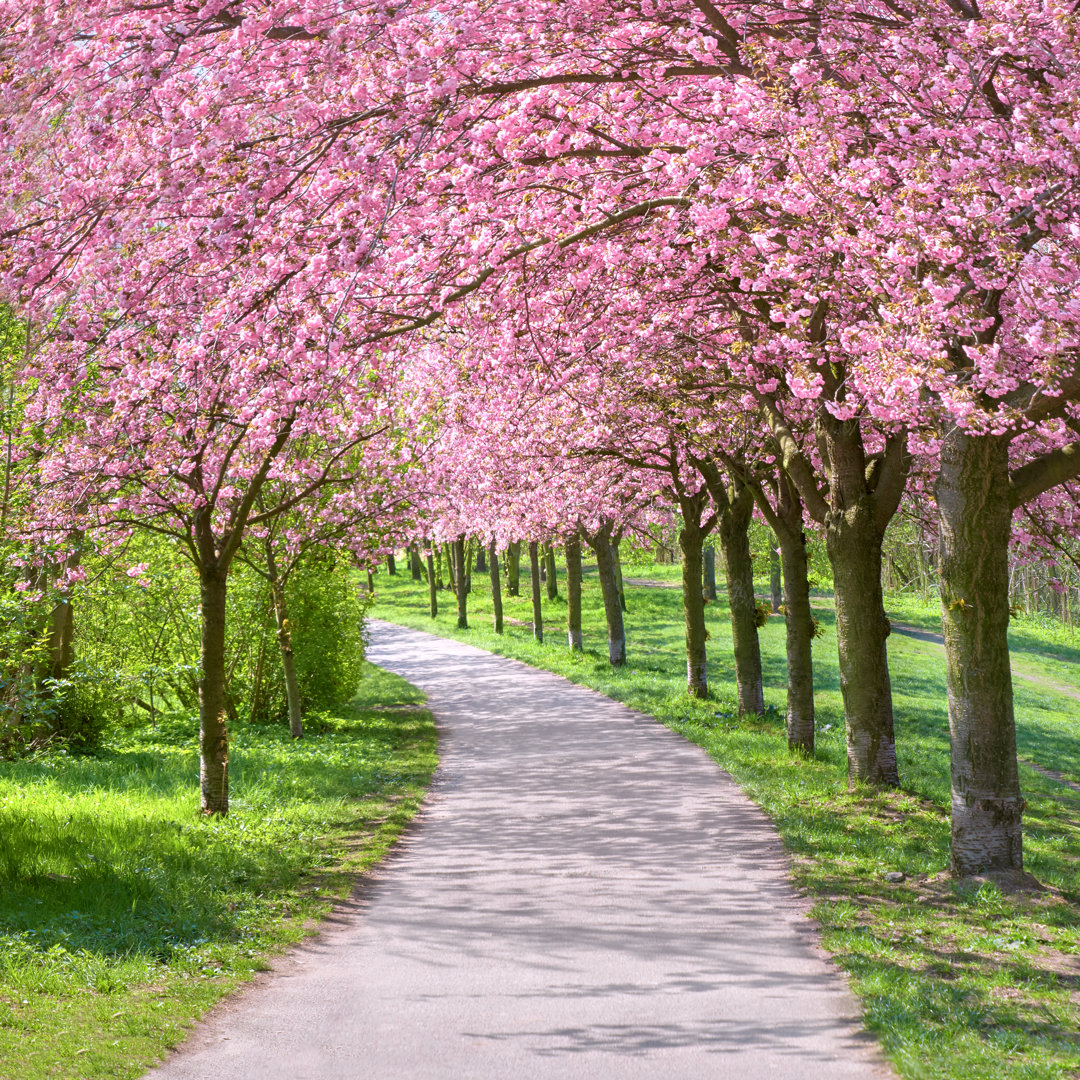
124	914
957	979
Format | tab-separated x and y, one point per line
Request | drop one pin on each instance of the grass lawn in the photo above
956	980
124	914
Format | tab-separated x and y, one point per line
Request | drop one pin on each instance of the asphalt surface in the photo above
585	895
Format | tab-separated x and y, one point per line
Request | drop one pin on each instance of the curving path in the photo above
585	897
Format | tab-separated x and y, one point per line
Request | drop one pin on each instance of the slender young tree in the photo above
534	577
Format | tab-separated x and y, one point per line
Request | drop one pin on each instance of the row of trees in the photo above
528	272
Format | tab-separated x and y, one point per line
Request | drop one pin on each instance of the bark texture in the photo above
513	568
534	578
461	584
414	563
496	587
864	491
734	528
975	517
691	541
709	575
391	564
798	619
432	586
213	732
573	594
775	579
600	541
853	541
552	572
618	573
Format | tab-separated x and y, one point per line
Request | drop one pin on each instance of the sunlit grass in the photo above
124	913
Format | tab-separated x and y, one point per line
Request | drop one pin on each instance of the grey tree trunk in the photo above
391	564
496	587
975	517
451	569
534	575
709	559
552	572
432	586
697	677
734	527
481	558
775	577
573	594
370	581
861	499
618	575
461	583
853	542
213	732
414	563
513	568
798	618
601	544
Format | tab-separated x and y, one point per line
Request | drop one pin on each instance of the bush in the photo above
79	708
327	612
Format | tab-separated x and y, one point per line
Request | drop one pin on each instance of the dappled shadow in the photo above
581	858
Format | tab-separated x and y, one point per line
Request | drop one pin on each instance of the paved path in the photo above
585	897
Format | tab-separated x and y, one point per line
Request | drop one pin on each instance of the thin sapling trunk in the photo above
534	574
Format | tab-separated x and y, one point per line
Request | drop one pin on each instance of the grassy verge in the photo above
956	980
124	915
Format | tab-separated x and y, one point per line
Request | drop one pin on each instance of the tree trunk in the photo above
465	566
432	586
798	623
534	574
213	732
975	516
370	582
513	569
481	558
573	593
854	546
552	572
61	637
618	575
391	565
451	570
609	589
436	554
739	570
496	587
462	584
709	559
775	577
414	563
697	677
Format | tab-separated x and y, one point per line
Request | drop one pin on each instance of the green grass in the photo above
124	914
957	980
